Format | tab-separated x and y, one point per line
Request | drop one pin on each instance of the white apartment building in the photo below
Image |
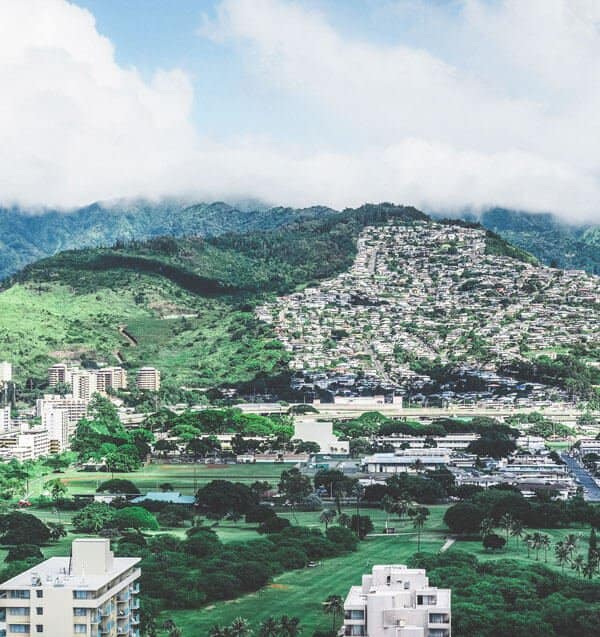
83	385
395	601
57	424
76	409
58	373
322	434
148	379
91	593
5	372
111	378
5	420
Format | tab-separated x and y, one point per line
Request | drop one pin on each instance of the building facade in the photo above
396	601
90	593
148	379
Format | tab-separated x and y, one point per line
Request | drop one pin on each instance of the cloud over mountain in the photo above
503	110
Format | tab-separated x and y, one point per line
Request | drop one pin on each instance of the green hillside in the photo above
186	304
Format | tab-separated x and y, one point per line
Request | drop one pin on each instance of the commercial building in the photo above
407	460
89	593
395	601
148	379
322	434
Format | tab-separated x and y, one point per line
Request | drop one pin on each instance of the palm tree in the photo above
358	491
269	628
589	569
571	542
387	504
333	606
327	516
545	544
289	626
562	553
486	527
527	541
419	518
240	627
578	564
344	520
517	529
506	522
536	542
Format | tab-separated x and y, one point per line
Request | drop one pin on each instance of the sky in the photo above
442	104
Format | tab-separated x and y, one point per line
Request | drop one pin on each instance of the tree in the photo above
165	446
486	527
464	517
24	552
118	485
561	550
269	628
362	525
419	517
294	486
240	627
290	626
327	516
135	517
578	564
493	541
334	606
23	528
57	488
124	459
220	497
58	462
93	517
57	530
506	522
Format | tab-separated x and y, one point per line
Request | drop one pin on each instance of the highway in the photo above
591	490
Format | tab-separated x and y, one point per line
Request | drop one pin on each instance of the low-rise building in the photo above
407	460
90	592
396	601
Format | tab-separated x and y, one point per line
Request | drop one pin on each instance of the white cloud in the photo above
75	126
451	134
514	122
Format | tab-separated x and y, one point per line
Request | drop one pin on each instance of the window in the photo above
19	610
80	612
19	594
39	594
82	595
39	628
354	614
18	628
406	585
80	628
39	610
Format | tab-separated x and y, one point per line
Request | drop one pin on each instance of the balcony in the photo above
135	619
123	629
439	632
135	587
439	618
135	604
123	597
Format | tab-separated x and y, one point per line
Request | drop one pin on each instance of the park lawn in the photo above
302	592
517	550
184	478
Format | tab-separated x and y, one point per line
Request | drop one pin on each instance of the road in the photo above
590	489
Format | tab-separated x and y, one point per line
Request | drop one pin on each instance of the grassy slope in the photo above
73	304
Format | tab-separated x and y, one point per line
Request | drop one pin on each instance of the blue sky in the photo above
150	34
442	104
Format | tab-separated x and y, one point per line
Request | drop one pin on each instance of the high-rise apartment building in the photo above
59	373
396	601
148	379
76	409
111	378
90	593
83	384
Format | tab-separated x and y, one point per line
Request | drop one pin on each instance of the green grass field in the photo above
185	478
